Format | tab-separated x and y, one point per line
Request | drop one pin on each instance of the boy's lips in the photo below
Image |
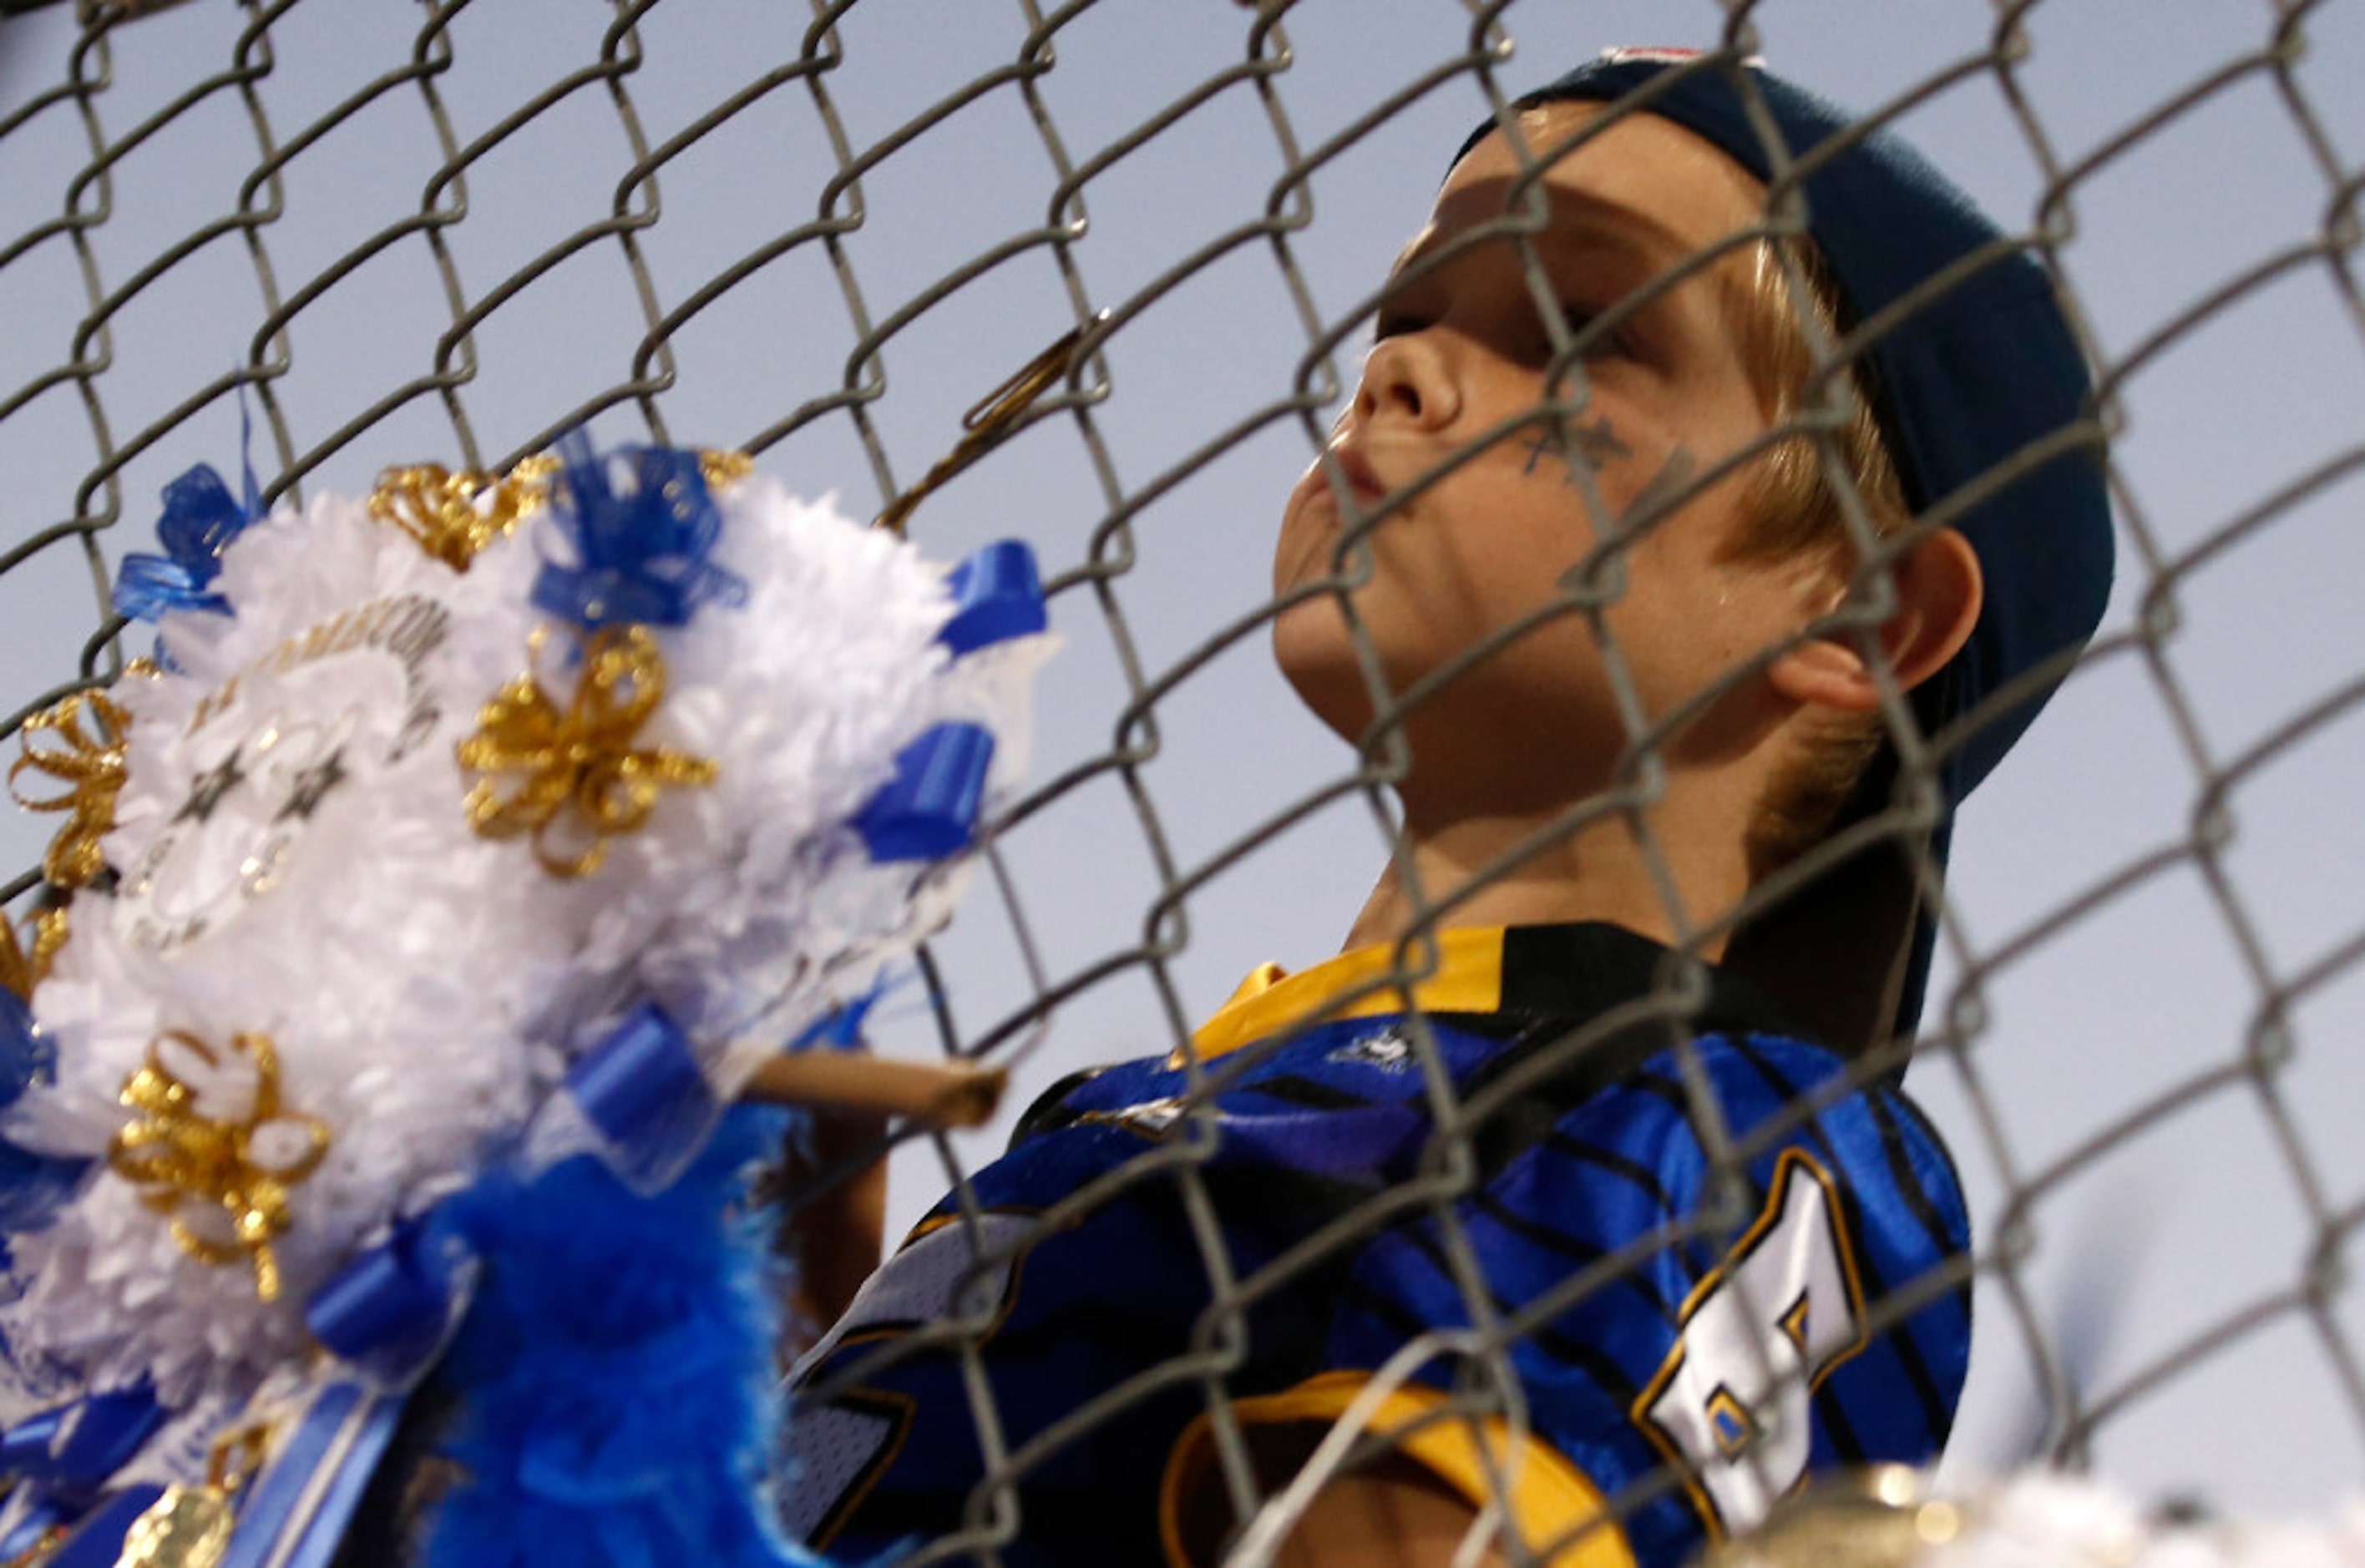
1362	480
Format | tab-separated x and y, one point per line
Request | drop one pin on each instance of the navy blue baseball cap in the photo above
1982	392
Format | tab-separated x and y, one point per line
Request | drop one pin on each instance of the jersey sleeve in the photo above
1690	1338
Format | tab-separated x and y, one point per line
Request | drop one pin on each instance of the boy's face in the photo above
1462	356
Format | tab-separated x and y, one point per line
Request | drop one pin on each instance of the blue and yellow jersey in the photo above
1639	1275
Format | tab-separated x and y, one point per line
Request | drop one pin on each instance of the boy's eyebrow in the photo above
1578	219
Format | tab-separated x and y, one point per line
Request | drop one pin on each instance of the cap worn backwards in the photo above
1983	393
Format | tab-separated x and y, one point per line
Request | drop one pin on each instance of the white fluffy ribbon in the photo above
425	987
2043	1519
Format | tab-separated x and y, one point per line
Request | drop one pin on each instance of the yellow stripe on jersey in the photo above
1551	1499
1469	978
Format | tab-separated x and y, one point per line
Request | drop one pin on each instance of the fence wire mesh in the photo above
452	231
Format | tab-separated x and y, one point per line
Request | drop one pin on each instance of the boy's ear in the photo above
1939	591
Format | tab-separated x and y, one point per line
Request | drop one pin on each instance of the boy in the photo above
1518	1217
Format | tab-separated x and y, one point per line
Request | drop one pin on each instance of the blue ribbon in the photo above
344	1430
32	1186
929	810
98	1542
63	1456
36	1517
997	595
200	519
391	1311
645	1093
71	1450
27	1057
639	557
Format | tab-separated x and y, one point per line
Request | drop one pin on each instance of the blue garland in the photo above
200	519
615	1369
640	556
33	1187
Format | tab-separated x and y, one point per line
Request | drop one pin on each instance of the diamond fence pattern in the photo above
450	232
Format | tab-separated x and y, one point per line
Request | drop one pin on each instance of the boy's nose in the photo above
1406	379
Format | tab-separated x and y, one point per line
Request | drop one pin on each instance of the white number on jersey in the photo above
1732	1403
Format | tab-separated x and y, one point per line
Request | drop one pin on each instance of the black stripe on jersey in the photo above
1934	1413
1787	1091
1309	1198
1568	1146
1908	1180
1290	1203
1401	1321
1845	1445
1295	1089
1935	1408
1663	1087
1937	1418
1519	1124
1577	1251
1812	1130
1051	1111
1575	1248
1589	1359
1557	981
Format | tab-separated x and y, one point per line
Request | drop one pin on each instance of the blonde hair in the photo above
1792	511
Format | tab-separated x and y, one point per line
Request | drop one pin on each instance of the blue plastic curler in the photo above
929	810
645	1091
997	595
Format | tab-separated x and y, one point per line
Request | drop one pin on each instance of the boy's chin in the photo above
1311	645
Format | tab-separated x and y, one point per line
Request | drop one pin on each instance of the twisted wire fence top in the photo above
451	231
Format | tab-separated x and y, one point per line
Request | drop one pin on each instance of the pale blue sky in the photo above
2182	1224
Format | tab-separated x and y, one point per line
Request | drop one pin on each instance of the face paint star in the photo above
207	789
1595	444
313	784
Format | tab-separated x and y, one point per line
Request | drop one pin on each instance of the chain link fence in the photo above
453	232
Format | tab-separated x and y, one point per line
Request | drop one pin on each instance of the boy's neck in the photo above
1598	873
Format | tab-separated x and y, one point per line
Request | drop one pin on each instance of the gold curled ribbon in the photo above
438	509
21	970
15	967
177	1154
90	764
721	470
581	766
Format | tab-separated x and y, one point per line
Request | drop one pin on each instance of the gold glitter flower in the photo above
581	773
178	1155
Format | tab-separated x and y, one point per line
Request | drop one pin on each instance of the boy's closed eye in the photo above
1585	332
1577	329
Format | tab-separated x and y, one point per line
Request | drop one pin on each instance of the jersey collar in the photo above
1575	972
1465	975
